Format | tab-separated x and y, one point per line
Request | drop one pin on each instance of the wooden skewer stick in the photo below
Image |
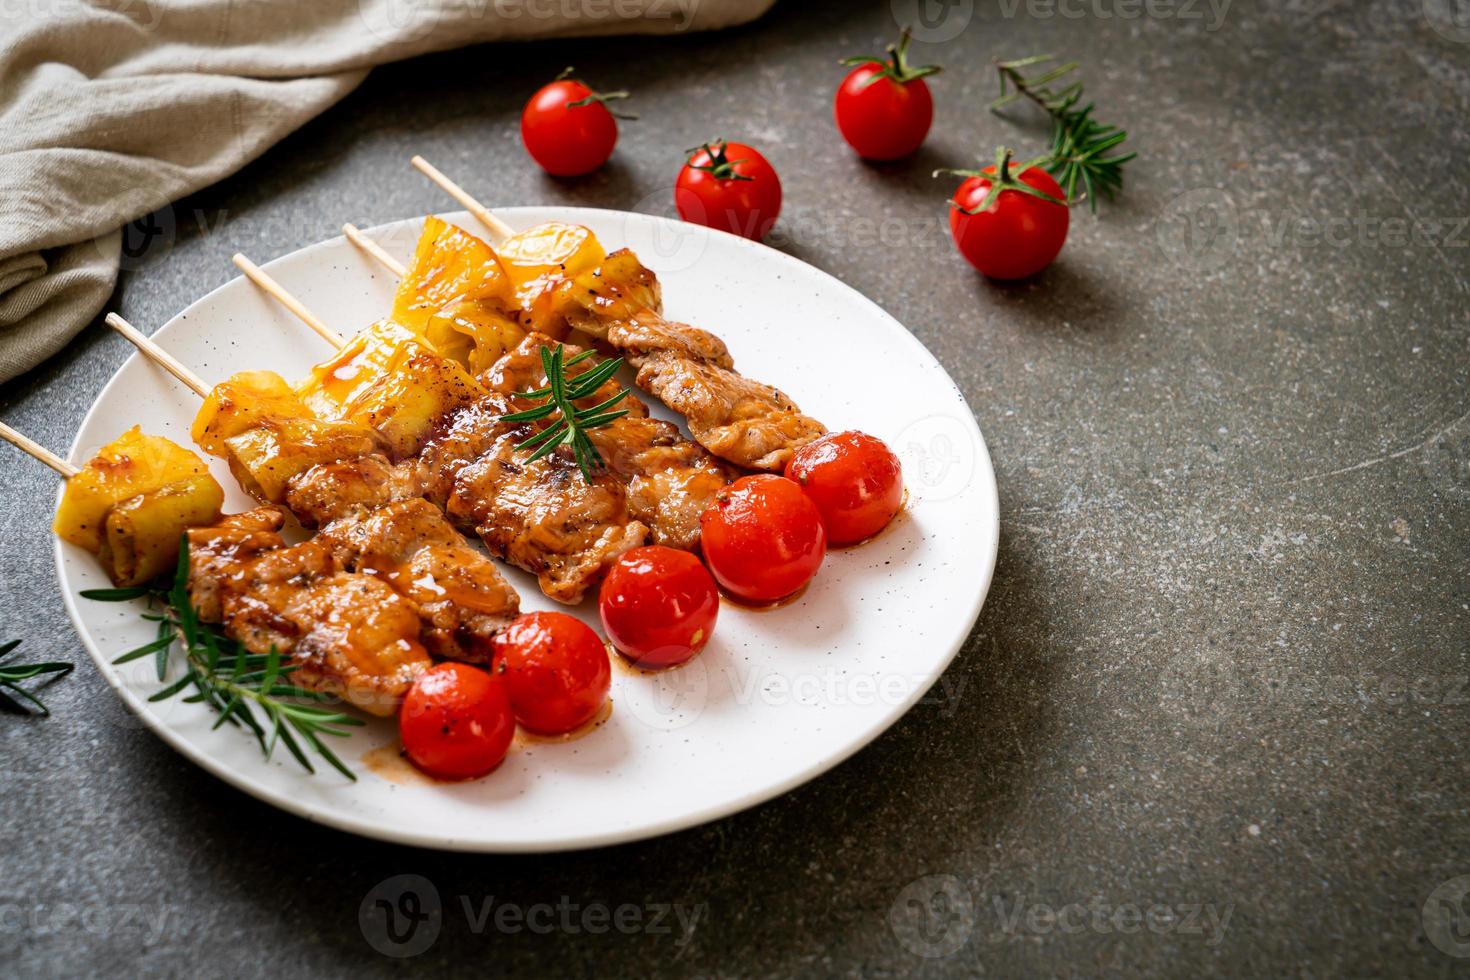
498	228
157	354
356	237
263	279
38	452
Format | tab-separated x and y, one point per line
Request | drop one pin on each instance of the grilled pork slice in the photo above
741	420
668	480
542	516
375	520
461	596
348	634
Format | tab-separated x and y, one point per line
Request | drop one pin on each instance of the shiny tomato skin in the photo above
456	722
1018	235
763	538
555	669
658	606
567	140
742	207
883	119
855	480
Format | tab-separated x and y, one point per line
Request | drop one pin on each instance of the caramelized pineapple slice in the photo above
266	456
456	295
474	333
241	403
142	533
131	502
619	289
548	252
389	379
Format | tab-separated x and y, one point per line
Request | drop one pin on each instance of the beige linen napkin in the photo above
111	109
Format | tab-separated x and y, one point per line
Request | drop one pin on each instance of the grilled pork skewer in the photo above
329	474
349	635
616	300
539	515
669	479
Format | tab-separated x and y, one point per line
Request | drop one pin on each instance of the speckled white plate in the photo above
777	698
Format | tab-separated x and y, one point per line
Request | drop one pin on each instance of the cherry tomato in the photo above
883	107
728	186
567	127
854	479
658	606
556	670
1018	234
763	537
456	722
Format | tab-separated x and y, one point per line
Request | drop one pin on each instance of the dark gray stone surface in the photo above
1222	671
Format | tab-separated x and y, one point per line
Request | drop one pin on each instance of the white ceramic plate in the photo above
778	696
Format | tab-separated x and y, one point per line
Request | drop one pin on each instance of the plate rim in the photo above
241	780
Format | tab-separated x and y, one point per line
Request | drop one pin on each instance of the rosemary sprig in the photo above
11	674
248	690
573	423
1079	143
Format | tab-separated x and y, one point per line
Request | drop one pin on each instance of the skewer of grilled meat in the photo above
426	409
562	276
348	634
274	444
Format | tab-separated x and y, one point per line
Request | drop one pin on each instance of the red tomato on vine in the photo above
1011	226
568	128
883	107
728	186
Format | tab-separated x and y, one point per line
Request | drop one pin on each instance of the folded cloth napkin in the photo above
110	109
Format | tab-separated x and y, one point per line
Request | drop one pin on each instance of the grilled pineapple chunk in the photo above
241	403
131	502
555	249
456	295
389	379
142	536
266	456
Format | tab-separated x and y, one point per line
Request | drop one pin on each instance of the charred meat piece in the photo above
741	420
462	599
347	634
542	516
375	520
669	481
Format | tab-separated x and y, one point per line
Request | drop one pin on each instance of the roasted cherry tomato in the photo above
456	722
763	538
658	606
728	186
1016	232
568	128
883	107
854	479
555	669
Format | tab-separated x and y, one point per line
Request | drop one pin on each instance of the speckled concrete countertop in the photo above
1214	715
